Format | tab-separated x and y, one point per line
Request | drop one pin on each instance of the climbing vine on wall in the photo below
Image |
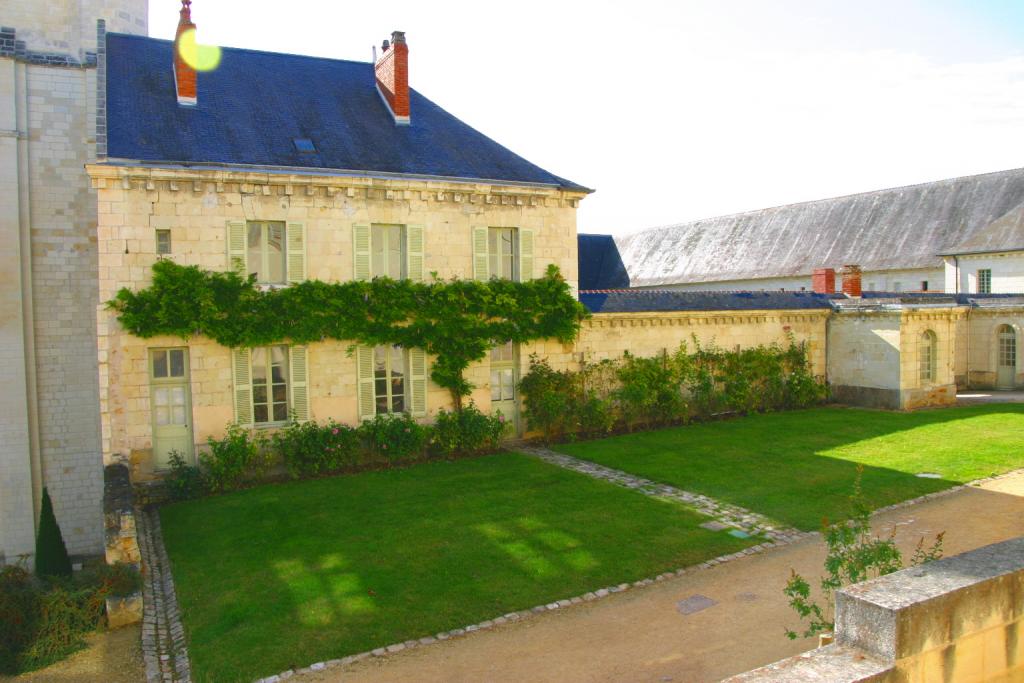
457	321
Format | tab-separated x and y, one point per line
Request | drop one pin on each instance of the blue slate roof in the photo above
600	266
648	300
255	104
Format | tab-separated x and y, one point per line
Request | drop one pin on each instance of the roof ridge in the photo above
822	199
247	49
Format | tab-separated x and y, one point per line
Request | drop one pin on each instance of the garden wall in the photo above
956	619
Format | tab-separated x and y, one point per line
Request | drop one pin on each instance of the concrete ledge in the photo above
957	619
831	663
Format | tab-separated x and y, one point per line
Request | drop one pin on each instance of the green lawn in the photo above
290	574
798	467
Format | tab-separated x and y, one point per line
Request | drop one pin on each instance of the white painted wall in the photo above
871	280
1007	272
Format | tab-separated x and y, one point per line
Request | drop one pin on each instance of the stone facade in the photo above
895	280
49	422
196	206
874	355
1006	272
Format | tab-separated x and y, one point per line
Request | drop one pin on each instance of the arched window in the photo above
926	356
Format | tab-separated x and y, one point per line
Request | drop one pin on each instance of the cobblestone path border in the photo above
730	515
163	637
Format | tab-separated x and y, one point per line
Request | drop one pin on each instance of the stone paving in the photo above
729	515
163	637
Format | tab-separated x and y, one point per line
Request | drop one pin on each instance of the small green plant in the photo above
854	555
51	553
309	449
395	438
184	480
467	431
239	457
548	395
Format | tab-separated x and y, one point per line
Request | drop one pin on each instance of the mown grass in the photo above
798	467
286	575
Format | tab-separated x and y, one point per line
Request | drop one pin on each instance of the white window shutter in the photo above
298	379
418	382
296	252
241	372
361	252
481	260
525	254
414	252
236	248
364	385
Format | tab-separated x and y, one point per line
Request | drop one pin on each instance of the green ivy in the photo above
456	321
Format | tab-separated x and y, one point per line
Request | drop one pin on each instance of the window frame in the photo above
385	229
493	257
503	360
264	265
983	281
389	379
163	232
927	357
270	384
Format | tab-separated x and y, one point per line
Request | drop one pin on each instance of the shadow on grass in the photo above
798	467
286	575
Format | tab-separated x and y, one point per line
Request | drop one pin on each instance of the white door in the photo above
1006	370
171	405
504	381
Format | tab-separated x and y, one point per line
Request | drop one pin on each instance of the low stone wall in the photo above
957	619
121	540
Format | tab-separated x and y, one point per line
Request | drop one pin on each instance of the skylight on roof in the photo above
305	145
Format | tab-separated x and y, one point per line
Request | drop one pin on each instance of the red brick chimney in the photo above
851	280
823	280
393	77
184	75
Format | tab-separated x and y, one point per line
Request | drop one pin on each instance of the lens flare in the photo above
199	57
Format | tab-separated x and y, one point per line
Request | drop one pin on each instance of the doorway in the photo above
1006	366
504	383
171	406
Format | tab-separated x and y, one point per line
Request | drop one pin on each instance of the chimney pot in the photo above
392	72
385	45
823	281
184	75
851	280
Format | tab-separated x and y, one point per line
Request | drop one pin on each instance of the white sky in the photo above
680	110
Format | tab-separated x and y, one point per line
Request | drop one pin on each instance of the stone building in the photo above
904	239
49	413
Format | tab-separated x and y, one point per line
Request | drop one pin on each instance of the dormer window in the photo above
305	145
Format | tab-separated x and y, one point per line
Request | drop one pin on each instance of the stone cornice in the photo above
272	183
698	318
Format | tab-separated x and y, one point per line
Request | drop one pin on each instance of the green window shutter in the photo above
525	254
242	375
364	385
414	252
418	382
296	252
236	248
361	252
481	262
298	371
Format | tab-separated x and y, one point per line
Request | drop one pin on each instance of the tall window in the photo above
163	241
265	251
985	281
503	384
926	356
503	253
270	384
387	251
389	379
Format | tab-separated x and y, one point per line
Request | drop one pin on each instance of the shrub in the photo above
547	395
395	438
308	448
649	391
854	555
241	456
51	553
185	480
467	431
44	621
